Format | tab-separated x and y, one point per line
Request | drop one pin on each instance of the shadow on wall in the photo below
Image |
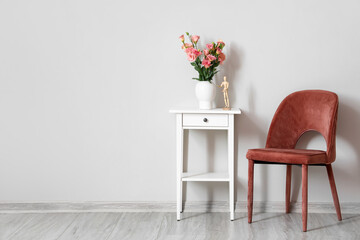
248	126
247	123
348	132
231	69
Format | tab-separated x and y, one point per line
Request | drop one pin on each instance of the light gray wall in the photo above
85	89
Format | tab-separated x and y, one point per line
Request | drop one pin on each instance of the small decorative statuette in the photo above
225	85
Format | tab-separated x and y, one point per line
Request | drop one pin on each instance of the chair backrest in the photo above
308	110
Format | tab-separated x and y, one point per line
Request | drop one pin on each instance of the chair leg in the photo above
304	196
250	190
333	190
288	188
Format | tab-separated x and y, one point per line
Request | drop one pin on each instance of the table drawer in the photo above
205	120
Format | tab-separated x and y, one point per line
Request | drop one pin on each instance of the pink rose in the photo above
195	38
218	51
182	38
191	57
196	52
222	58
188	45
221	43
189	50
209	46
206	52
193	51
206	63
210	58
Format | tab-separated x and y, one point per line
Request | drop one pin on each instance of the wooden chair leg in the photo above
288	188
304	196
333	190
250	190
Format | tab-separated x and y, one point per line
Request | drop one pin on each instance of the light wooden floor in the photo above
98	226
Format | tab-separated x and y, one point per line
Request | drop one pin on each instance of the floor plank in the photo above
91	226
161	225
137	226
44	226
11	223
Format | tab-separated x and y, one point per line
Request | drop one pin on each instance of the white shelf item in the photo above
206	177
213	119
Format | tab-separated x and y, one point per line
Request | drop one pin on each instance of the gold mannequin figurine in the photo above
225	85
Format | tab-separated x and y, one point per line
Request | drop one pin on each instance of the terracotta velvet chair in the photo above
309	110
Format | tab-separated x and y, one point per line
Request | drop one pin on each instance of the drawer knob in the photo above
205	120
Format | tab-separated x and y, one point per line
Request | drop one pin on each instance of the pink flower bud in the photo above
188	45
209	46
222	58
220	43
195	38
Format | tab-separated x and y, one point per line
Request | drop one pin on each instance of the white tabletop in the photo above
197	110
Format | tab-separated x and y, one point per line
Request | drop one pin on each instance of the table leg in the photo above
231	165
179	163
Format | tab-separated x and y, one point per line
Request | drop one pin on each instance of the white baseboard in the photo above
220	206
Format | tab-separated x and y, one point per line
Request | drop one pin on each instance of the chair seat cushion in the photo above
288	156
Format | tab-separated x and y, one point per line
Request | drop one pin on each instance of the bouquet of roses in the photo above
204	61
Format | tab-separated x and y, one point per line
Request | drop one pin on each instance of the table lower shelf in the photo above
205	177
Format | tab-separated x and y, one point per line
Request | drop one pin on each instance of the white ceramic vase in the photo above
205	93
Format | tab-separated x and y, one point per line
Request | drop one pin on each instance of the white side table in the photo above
213	119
